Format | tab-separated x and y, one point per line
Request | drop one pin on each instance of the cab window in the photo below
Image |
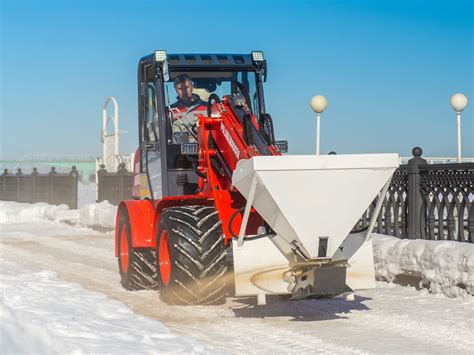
150	127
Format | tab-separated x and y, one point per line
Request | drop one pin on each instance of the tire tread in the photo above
198	255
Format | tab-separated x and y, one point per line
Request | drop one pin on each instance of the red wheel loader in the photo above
214	199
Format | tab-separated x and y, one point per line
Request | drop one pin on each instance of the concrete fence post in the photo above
51	196
34	193
4	188
74	193
121	171
100	183
18	175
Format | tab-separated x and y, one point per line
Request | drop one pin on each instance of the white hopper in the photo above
305	198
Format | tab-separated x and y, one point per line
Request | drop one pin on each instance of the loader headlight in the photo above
257	56
160	56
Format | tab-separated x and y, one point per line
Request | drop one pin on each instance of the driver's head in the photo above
184	88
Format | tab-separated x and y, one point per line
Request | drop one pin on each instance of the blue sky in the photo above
387	68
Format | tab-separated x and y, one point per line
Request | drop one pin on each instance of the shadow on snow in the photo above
300	310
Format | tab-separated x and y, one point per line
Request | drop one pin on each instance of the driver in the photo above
185	110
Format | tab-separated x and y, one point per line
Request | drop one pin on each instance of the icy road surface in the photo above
384	320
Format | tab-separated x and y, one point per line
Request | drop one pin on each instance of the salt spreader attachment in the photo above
212	192
310	205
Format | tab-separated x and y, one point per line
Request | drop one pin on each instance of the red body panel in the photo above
226	200
140	214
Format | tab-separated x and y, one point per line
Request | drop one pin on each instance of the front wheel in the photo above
137	267
191	256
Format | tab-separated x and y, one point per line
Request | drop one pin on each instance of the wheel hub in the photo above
124	255
164	259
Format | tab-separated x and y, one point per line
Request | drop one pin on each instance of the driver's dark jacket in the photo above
184	115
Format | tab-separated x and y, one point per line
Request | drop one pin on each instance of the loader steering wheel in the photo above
215	98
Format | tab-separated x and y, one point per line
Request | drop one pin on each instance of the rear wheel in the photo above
191	256
137	266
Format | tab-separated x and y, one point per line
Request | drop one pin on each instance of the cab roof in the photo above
184	61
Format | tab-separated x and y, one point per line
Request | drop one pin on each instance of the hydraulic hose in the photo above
196	170
231	220
209	103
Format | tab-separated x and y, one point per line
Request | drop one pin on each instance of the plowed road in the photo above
383	320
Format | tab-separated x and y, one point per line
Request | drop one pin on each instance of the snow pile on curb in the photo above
96	215
446	267
15	212
40	314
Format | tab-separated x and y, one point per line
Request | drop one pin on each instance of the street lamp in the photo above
318	104
458	103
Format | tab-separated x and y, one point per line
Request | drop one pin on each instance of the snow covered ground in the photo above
43	314
61	294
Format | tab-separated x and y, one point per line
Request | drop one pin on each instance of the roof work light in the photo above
160	56
257	56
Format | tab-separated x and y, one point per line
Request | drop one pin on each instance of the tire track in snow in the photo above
68	252
412	325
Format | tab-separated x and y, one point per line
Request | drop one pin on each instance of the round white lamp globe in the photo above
459	102
319	103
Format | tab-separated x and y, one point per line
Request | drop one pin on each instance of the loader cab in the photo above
166	126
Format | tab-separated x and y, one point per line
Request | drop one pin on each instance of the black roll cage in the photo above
185	63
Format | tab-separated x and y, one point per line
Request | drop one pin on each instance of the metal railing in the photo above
53	188
427	201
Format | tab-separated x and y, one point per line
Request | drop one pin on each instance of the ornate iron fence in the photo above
427	201
447	202
54	188
114	187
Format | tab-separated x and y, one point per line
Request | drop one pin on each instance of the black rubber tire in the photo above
197	256
142	273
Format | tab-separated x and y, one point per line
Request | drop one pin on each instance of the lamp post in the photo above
459	103
318	104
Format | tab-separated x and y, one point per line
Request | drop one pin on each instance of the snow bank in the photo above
14	212
41	314
18	220
96	215
445	267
